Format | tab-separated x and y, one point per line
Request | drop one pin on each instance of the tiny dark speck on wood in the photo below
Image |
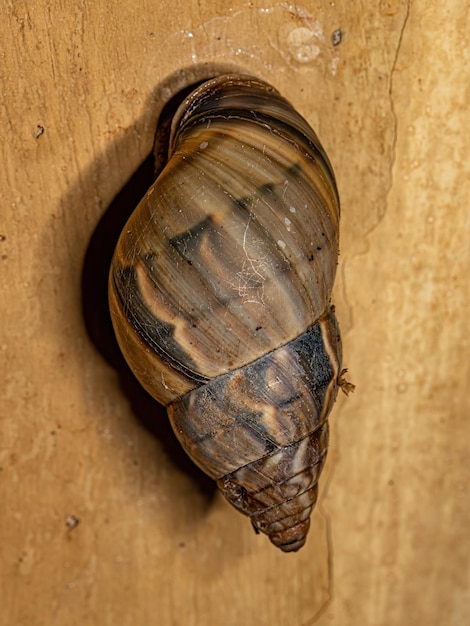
337	37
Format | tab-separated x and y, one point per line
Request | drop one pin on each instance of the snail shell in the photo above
220	298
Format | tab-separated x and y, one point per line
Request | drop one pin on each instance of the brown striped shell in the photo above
220	298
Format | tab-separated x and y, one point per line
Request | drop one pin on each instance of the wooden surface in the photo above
154	544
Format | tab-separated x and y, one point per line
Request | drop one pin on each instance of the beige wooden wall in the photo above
389	543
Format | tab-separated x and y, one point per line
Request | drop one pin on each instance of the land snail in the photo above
219	295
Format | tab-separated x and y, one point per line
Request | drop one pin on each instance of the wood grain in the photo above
154	545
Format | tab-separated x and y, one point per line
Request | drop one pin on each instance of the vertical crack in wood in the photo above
392	104
329	543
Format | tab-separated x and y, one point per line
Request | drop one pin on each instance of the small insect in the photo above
219	294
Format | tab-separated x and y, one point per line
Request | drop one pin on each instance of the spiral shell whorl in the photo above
232	252
279	494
